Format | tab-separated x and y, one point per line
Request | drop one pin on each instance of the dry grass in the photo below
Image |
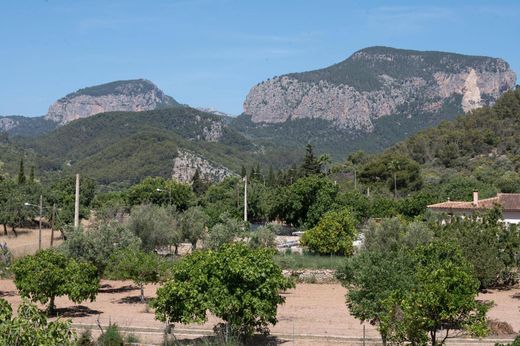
26	243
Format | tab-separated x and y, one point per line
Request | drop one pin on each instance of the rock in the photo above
186	163
131	95
378	82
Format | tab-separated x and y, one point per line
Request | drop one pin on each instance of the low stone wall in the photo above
317	276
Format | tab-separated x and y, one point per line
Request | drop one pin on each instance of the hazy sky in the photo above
211	52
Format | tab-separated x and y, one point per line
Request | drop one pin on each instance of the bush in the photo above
5	260
111	337
264	236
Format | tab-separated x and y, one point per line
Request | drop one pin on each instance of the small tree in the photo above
226	231
152	224
263	237
30	327
194	222
334	234
134	264
21	173
238	284
50	274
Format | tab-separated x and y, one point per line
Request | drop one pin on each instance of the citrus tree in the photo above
238	284
49	274
30	327
334	234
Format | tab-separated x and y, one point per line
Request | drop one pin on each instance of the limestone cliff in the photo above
377	82
131	95
186	163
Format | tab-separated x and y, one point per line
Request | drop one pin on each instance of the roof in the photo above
508	201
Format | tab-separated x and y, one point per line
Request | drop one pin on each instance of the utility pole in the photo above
245	198
52	223
40	224
76	204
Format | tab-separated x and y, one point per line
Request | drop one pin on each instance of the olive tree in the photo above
194	222
49	274
238	284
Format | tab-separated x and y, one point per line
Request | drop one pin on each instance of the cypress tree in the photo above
197	184
243	171
311	164
31	175
21	173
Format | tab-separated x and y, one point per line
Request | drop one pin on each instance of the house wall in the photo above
512	217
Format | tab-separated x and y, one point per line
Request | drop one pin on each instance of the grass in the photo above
308	261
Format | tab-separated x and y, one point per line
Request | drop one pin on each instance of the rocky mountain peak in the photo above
127	95
377	82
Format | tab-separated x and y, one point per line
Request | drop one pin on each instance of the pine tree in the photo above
31	175
243	171
311	164
21	173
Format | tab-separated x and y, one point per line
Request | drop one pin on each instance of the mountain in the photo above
121	148
376	97
128	95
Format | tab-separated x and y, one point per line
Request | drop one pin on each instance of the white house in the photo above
510	203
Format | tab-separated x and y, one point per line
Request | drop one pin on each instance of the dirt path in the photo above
310	309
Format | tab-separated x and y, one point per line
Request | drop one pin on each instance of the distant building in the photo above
510	203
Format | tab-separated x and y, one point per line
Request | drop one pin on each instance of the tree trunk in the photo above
176	249
51	310
142	293
5	229
13	229
193	245
433	337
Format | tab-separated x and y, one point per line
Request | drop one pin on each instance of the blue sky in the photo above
209	53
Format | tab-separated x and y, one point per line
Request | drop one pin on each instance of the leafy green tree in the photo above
194	222
371	278
226	231
30	327
13	211
21	173
224	197
263	237
49	274
305	201
152	224
334	234
136	265
162	192
97	245
442	299
238	284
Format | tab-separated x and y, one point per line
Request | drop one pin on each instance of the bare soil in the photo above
26	243
317	310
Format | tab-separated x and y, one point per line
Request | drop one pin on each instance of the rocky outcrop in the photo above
186	163
7	124
378	82
132	96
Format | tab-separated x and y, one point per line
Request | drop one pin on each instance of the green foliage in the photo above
226	231
263	237
21	174
136	265
154	225
98	244
162	192
443	297
50	274
30	327
311	165
492	248
238	284
309	261
5	260
194	223
305	201
334	234
111	337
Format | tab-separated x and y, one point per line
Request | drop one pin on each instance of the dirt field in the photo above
27	241
311	309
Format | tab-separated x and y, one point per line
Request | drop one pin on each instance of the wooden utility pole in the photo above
40	224
53	216
245	198
76	204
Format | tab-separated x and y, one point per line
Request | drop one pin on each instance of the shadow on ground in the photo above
260	340
106	288
76	311
133	300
